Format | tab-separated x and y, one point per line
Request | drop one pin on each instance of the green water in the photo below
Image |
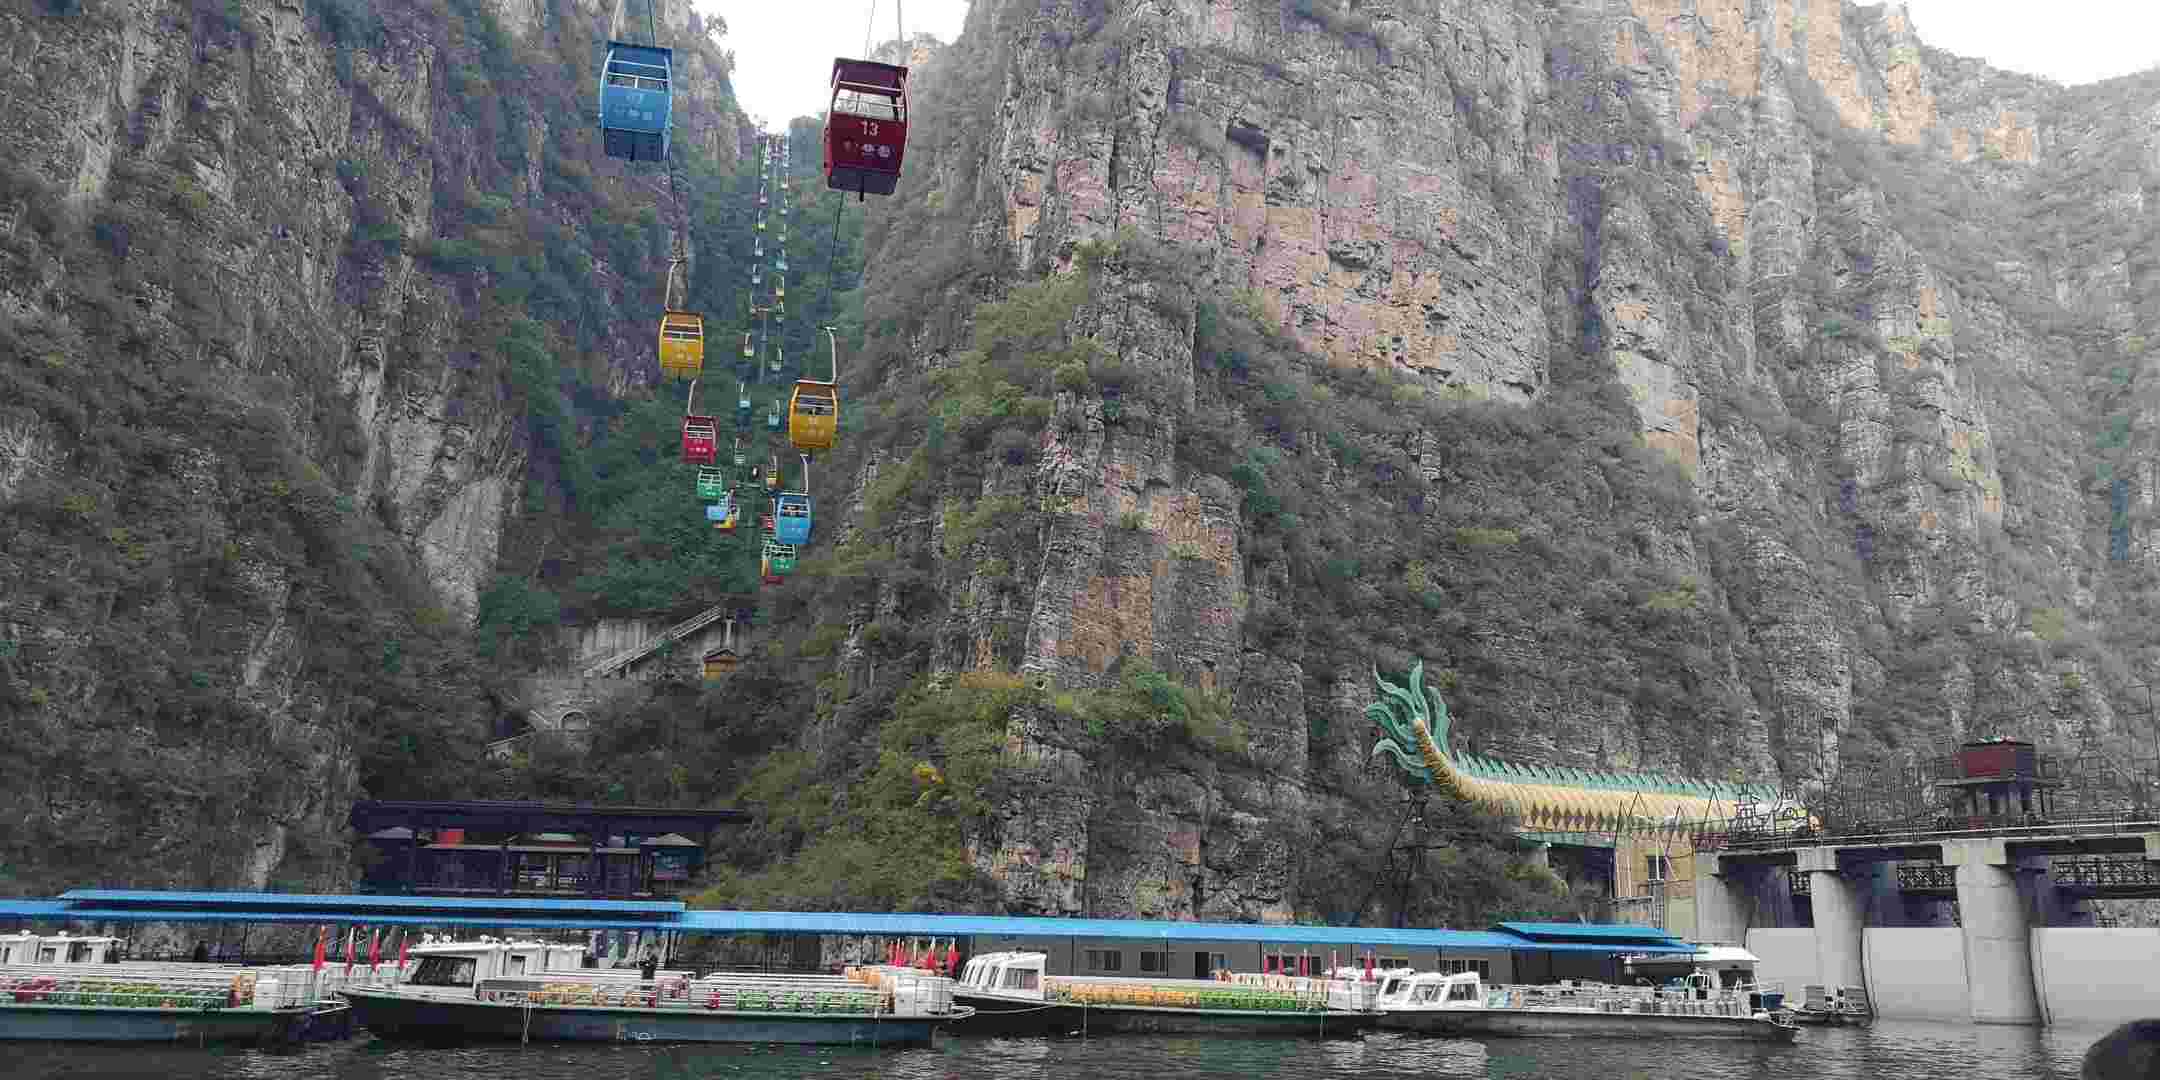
1888	1051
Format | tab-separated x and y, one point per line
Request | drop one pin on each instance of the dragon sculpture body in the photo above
1546	798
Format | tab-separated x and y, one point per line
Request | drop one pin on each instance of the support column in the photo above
1720	903
1839	920
1998	936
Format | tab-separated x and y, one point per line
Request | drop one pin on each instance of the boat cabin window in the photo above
514	964
1022	979
1462	991
444	971
1429	992
1392	986
48	954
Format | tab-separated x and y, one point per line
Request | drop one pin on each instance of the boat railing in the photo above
1272	994
119	988
1599	997
928	995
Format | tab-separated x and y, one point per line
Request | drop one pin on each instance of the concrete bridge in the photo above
1990	889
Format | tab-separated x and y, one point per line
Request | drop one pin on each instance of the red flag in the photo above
952	958
374	949
352	941
322	945
401	950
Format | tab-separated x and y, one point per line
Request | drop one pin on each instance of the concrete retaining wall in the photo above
2084	977
1788	958
1916	973
2096	976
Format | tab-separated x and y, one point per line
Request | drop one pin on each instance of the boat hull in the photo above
1558	1022
41	1022
398	1016
1010	1016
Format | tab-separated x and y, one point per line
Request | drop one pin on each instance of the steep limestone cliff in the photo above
1824	261
259	458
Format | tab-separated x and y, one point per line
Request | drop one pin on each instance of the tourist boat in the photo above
1012	995
1818	1007
182	1003
443	1001
1713	969
1462	1004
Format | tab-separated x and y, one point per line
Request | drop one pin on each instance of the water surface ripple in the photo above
1887	1051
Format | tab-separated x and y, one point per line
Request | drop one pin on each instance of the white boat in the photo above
443	1001
1464	1005
1012	994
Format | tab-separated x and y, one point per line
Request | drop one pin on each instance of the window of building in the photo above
1659	867
1287	963
1458	967
1390	963
1154	962
1105	960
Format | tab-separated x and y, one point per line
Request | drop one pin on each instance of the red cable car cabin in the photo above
866	127
700	440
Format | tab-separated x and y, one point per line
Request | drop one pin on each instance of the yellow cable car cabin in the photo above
720	662
682	344
813	415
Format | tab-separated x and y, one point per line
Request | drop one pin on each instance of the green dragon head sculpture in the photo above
1416	723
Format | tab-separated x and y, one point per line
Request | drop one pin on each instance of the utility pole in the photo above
2151	718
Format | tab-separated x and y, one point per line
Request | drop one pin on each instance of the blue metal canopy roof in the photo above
258	915
369	901
843	922
1540	931
132	905
31	909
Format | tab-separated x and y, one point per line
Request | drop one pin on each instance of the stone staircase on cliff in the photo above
614	663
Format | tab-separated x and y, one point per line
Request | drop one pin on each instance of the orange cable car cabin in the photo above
682	344
866	127
813	415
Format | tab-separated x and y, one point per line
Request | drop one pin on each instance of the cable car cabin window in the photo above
869	106
814	406
444	971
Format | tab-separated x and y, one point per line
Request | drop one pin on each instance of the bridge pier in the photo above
1998	934
1840	919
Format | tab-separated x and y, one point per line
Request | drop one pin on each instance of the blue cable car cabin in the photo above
637	101
791	519
742	417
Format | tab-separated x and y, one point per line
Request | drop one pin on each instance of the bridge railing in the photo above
1941	829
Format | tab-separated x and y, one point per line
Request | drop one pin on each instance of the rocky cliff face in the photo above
1694	385
1828	264
234	209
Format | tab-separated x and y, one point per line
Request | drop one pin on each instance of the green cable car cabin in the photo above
711	482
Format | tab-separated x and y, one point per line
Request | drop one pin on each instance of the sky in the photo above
784	49
2069	41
